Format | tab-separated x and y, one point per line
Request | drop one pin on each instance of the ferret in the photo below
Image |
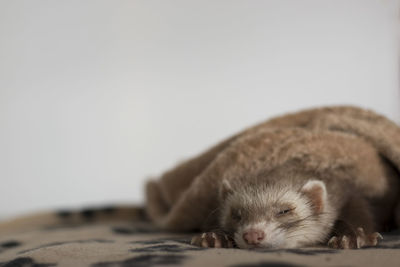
325	176
290	208
278	214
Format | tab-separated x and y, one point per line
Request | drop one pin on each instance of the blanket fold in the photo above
349	141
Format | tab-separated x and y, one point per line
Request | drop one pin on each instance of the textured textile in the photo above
122	244
335	142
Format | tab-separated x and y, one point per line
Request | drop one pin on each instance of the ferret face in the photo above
274	216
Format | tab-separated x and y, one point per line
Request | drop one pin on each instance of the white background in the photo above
96	96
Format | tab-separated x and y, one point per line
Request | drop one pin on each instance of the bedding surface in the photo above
109	244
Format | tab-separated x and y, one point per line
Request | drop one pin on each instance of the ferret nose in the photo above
253	236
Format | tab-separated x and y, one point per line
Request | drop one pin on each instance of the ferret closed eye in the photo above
236	216
284	211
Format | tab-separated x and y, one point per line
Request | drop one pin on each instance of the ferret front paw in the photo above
212	240
358	240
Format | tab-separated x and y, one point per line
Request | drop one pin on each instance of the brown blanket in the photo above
356	142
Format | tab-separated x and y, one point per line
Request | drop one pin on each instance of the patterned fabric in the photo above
137	244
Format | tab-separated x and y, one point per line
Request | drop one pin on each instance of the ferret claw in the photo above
345	242
333	242
212	240
374	238
358	240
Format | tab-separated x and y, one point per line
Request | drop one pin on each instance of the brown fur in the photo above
355	152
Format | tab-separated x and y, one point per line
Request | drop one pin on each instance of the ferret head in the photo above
276	215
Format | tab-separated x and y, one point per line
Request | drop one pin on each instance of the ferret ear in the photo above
316	191
225	189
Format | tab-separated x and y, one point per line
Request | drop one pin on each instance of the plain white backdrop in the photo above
96	96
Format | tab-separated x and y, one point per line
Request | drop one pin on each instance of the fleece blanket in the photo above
337	141
121	243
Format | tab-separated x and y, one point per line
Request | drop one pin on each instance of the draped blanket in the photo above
350	141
